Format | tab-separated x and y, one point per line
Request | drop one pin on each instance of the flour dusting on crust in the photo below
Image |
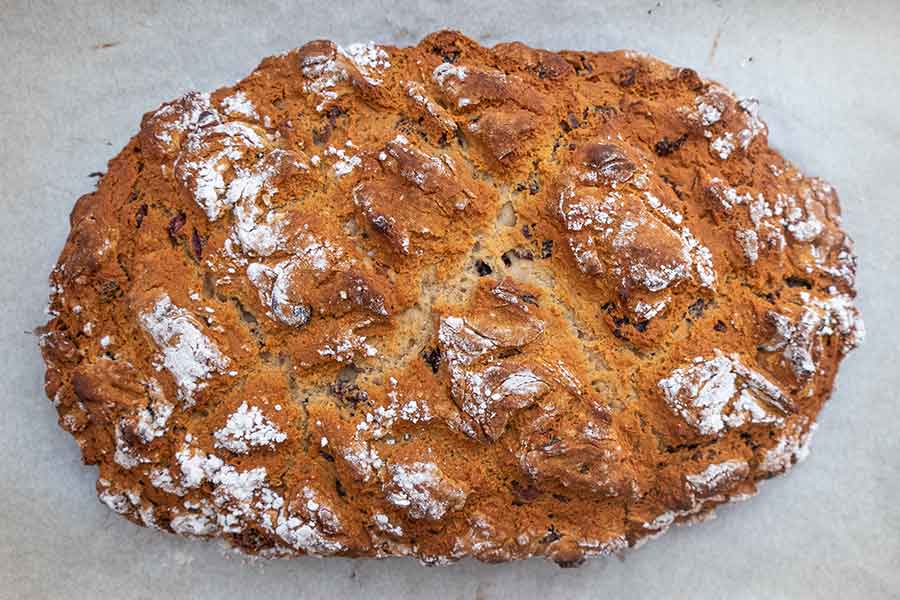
248	428
187	353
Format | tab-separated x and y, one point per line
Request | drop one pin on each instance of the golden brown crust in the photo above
447	300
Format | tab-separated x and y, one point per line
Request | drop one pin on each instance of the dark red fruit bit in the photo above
139	217
327	456
696	309
641	326
333	113
569	123
197	244
546	248
665	147
175	226
349	393
533	186
432	358
627	77
520	253
526	231
523	494
719	326
529	299
482	268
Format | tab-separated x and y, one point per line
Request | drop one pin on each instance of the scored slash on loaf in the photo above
447	301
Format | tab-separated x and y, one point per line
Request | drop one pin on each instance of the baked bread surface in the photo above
447	301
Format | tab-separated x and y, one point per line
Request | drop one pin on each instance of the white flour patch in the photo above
248	428
723	145
325	71
720	392
187	353
420	489
345	163
239	104
717	476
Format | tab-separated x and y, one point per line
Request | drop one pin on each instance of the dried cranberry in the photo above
520	253
349	393
570	122
664	147
627	77
546	248
433	358
139	217
482	268
524	493
697	308
175	226
197	244
333	113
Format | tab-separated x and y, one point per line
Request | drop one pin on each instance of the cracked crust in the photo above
447	301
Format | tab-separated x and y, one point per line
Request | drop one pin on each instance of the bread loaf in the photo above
447	301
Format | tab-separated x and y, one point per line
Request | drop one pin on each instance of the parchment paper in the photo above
76	79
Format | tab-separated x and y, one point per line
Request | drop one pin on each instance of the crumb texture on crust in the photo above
447	301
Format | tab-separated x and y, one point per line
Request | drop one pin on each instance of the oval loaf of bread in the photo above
447	301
